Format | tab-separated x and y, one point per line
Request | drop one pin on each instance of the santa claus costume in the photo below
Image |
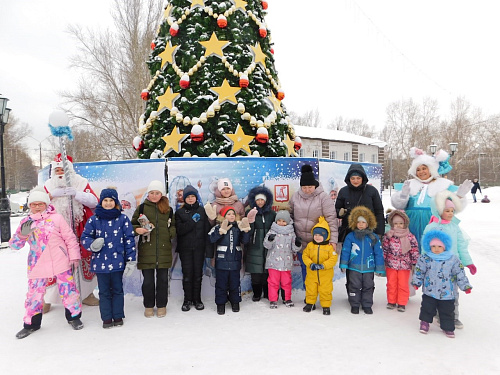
79	197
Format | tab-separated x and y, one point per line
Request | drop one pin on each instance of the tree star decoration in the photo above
214	46
173	140
167	56
200	3
167	100
167	11
260	57
240	141
240	4
276	103
226	92
290	146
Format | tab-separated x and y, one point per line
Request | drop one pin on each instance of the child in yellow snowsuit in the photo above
319	257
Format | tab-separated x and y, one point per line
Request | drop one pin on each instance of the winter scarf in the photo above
402	234
227	201
360	234
439	257
107	214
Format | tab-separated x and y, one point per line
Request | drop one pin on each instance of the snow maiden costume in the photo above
416	195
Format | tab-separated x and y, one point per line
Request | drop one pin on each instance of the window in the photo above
361	158
346	156
333	155
374	158
315	154
301	152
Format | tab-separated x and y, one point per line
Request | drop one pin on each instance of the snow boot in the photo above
235	307
273	305
106	324
186	306
198	305
90	300
149	312
25	332
161	312
221	309
355	310
257	292
76	324
458	324
326	311
391	306
401	308
289	303
118	322
368	310
424	327
308	308
449	334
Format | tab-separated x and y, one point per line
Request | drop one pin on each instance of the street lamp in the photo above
39	147
4	201
433	149
453	148
479	164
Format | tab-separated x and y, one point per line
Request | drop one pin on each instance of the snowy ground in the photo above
258	340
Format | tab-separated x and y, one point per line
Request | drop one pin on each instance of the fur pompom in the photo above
415	152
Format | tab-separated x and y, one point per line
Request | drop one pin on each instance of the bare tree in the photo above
107	101
311	118
354	126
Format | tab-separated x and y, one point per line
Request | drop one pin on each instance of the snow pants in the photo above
67	291
111	295
360	288
277	278
398	290
155	293
445	308
192	273
227	282
319	283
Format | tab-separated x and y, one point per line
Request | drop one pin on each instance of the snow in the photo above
258	340
335	135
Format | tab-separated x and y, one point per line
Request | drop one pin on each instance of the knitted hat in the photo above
224	182
109	193
307	176
361	218
321	231
225	209
156	185
261	196
449	204
437	242
189	190
37	195
283	215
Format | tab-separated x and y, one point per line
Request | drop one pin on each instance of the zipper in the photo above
157	239
317	262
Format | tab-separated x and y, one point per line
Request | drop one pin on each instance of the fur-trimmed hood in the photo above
260	190
366	213
440	235
440	200
400	213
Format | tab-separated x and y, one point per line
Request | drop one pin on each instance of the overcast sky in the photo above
349	58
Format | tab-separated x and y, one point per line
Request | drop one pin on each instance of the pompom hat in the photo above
283	215
307	176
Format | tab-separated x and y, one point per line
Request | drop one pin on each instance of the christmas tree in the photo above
214	88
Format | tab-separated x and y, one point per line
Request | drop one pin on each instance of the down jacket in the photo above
192	236
281	249
306	210
52	244
228	252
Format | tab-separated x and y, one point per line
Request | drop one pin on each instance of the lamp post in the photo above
4	201
39	147
453	148
479	165
433	149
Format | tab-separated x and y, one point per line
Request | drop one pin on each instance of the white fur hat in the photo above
421	158
38	195
441	198
158	186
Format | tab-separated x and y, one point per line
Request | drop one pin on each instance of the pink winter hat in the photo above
449	204
437	242
223	183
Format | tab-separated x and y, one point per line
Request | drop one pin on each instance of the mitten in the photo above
405	190
315	267
298	243
244	225
70	191
196	217
224	227
130	268
271	237
59	192
472	268
210	211
26	227
251	215
97	244
467	291
464	188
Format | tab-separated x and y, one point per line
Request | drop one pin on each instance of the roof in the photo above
335	135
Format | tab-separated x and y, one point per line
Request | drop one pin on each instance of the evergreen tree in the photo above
214	87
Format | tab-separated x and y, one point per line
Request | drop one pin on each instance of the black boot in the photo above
236	307
326	311
221	309
355	310
198	305
307	308
257	292
73	321
186	306
36	322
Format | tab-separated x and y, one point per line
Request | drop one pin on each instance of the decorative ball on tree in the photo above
214	87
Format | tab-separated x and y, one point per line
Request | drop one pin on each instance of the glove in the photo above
271	237
472	268
224	227
467	291
59	192
26	227
97	244
298	243
196	217
244	225
405	190
70	191
464	188
415	287
130	268
210	211
315	267
251	215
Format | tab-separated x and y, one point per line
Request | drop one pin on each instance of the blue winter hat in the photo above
109	193
322	232
189	190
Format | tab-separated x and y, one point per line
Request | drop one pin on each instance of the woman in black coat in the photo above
193	246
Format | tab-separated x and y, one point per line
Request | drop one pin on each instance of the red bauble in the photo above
297	145
221	21
272	51
145	94
138	143
153	45
264	4
184	82
244	81
262	135
280	95
174	29
262	32
197	133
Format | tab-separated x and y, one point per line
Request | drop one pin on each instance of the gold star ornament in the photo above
214	46
200	3
167	56
289	146
167	100
240	141
173	140
259	56
240	4
166	12
226	92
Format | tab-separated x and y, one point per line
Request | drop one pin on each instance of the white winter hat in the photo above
421	158
158	186
37	195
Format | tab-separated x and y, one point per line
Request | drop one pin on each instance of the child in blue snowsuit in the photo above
228	236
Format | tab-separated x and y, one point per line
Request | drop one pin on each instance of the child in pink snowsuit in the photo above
53	249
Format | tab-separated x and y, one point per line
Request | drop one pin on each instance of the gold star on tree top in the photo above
289	146
167	56
167	100
214	46
226	92
240	141
260	57
173	140
240	4
197	2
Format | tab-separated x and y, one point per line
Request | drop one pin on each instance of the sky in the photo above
258	340
348	58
